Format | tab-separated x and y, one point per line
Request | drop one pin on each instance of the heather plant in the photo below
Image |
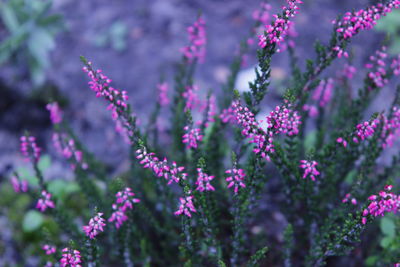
202	197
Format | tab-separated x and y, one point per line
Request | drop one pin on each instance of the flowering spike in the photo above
236	179
56	113
203	181
310	169
70	258
29	148
95	226
186	206
45	202
196	50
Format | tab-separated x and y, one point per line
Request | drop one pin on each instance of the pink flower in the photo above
348	197
391	128
236	179
65	146
365	130
377	64
126	199
278	29
349	71
284	120
262	15
163	99
323	92
55	112
312	110
354	22
172	173
19	186
70	258
251	129
118	216
45	202
49	249
191	97
117	99
196	50
192	136
310	169
381	204
203	181
342	141
95	226
186	206
396	66
29	149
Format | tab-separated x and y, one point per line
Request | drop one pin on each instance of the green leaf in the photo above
32	221
9	18
371	261
44	163
386	241
388	227
40	43
59	188
25	174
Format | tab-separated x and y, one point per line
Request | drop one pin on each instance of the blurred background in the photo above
136	43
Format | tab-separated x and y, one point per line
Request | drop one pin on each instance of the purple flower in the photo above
310	169
235	179
95	226
45	202
186	206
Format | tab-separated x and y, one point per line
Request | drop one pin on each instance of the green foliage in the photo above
391	26
31	35
116	37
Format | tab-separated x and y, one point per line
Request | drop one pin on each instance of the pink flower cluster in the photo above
396	65
186	206
322	95
349	71
252	130
354	22
262	15
95	226
19	186
192	136
197	38
204	181
45	202
125	201
391	128
172	173
191	97
100	84
323	92
347	199
163	99
29	149
211	105
56	113
49	249
377	65
310	169
365	130
66	147
382	203
283	120
70	258
236	179
276	32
